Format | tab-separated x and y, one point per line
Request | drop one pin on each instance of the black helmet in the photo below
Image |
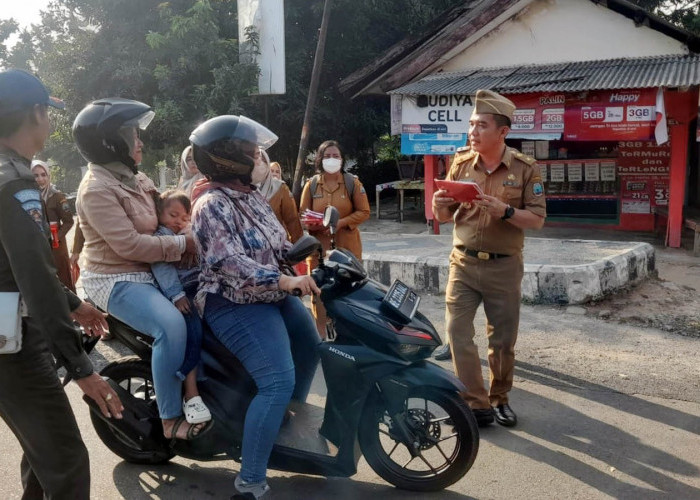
225	147
104	129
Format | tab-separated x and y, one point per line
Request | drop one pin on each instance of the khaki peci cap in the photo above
490	102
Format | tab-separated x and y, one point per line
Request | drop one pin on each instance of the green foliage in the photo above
682	13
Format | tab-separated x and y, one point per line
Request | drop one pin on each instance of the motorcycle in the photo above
406	414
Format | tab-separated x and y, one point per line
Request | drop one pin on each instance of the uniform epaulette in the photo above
525	158
464	151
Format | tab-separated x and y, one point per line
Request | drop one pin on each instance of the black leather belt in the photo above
480	255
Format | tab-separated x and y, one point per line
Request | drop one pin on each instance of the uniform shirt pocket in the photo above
513	195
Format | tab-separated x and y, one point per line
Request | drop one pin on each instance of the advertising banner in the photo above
538	113
641	194
431	144
643	158
609	115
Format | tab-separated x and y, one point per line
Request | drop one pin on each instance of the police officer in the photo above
32	401
486	263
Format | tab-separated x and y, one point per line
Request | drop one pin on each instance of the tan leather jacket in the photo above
118	221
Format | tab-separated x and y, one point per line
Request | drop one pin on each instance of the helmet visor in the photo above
251	131
140	122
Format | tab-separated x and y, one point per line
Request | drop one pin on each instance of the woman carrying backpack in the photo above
333	186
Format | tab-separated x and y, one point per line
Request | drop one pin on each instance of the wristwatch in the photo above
508	213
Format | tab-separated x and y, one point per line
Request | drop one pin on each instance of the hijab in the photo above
187	178
50	189
269	185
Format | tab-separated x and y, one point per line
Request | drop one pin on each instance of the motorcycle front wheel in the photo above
133	375
440	422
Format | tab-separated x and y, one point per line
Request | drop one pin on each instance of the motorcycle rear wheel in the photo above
440	421
134	375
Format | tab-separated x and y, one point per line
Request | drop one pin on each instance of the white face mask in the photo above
332	165
259	172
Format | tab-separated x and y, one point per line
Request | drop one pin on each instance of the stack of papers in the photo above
311	217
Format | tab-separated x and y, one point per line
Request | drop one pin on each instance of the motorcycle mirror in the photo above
330	218
305	246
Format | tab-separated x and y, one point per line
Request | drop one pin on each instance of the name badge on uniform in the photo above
318	195
509	183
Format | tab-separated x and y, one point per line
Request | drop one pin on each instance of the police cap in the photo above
20	90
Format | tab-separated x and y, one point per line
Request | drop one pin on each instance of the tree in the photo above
181	56
683	13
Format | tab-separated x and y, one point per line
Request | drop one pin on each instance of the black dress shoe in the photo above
505	415
443	352
484	416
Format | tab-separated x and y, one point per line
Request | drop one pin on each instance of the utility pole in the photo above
311	100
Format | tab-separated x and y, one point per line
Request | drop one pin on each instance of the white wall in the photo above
551	31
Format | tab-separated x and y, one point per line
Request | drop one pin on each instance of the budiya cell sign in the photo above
434	124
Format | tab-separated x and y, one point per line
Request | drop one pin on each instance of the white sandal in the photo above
196	411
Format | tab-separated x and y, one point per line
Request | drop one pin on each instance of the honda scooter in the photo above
406	413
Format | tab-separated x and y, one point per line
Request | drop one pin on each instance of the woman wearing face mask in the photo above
330	187
189	173
278	196
58	211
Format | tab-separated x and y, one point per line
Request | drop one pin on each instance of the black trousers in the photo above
34	405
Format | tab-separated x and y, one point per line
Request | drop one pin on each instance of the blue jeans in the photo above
193	351
270	340
143	307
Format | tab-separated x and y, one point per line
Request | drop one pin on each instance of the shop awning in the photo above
646	72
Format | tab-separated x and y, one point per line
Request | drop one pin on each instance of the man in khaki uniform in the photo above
486	263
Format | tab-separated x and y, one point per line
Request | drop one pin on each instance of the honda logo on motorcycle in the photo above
341	353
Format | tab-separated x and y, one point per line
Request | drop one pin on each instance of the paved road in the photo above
606	411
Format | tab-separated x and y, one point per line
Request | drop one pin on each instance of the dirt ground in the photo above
669	302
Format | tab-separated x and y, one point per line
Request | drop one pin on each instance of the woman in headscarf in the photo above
189	173
278	196
58	211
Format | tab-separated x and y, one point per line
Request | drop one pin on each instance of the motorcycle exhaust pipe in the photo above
138	425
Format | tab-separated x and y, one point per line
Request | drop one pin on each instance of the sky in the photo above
25	12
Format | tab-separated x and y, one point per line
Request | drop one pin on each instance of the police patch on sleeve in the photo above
537	189
362	190
30	199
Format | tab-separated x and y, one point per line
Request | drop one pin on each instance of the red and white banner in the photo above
643	158
611	115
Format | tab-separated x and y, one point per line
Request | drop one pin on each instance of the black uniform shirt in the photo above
26	263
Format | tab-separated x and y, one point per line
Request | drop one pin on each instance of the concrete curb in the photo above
542	283
579	284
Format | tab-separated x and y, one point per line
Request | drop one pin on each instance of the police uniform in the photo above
486	265
32	401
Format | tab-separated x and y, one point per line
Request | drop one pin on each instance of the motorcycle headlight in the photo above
413	352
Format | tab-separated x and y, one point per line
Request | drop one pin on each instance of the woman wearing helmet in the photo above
242	294
117	215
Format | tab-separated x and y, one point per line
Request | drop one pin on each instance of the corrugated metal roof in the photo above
659	71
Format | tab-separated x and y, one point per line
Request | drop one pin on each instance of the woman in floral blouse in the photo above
242	294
